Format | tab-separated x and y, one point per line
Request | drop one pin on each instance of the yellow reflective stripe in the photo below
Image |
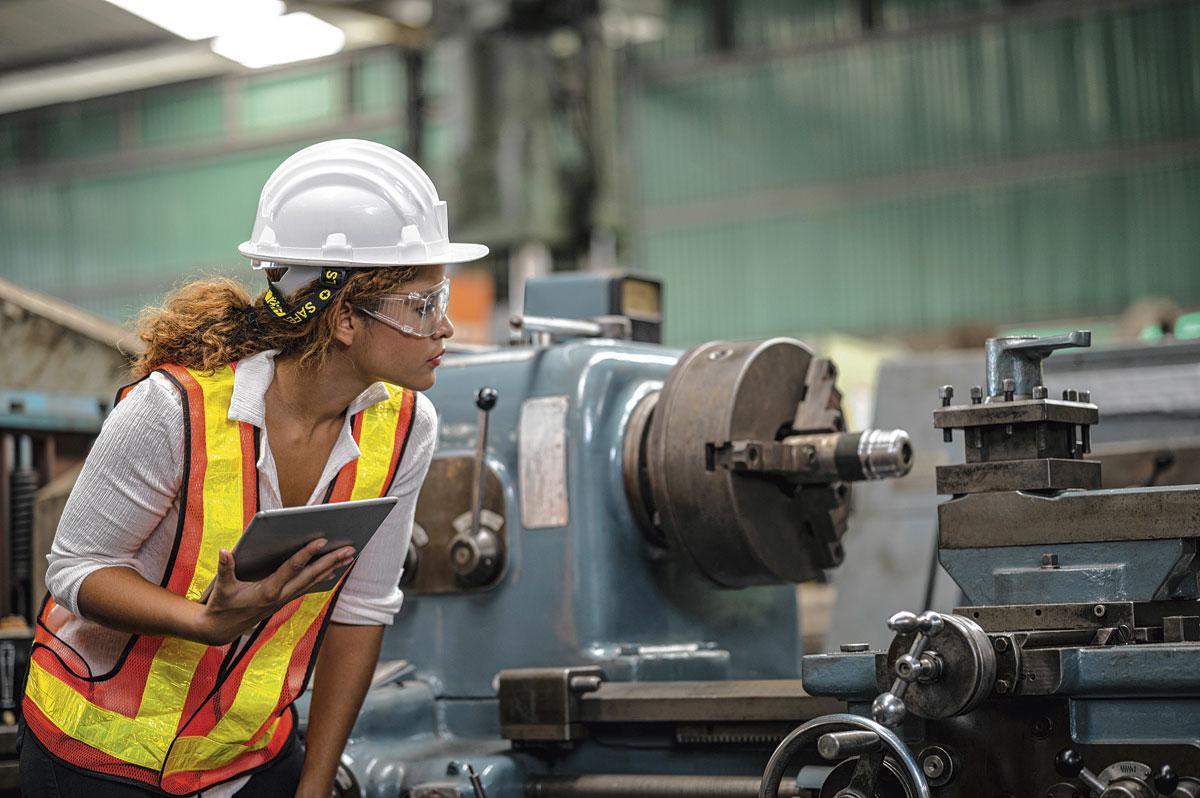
222	477
174	666
256	697
376	442
207	754
167	684
129	740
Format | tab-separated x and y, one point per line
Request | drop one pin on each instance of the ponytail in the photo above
213	321
202	325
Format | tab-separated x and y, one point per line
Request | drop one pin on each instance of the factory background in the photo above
927	165
765	242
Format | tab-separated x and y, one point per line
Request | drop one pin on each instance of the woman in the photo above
155	670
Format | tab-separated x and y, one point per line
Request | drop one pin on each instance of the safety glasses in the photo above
417	313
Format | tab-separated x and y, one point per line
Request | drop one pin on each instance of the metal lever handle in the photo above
476	554
476	783
1068	763
485	400
1042	347
889	708
1019	358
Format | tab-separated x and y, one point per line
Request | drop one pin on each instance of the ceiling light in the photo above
280	40
202	19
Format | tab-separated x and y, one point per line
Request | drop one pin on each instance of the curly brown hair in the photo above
213	321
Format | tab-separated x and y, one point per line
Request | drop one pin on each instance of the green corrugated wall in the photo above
1009	171
1006	172
113	239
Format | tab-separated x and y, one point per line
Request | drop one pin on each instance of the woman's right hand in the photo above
234	607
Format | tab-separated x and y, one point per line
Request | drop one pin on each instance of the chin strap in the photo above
306	307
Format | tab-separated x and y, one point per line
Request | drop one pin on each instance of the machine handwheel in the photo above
877	748
890	781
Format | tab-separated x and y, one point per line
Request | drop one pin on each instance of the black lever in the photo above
476	555
1165	780
485	400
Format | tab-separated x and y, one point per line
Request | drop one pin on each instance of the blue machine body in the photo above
585	592
581	593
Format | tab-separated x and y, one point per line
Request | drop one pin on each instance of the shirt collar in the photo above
253	376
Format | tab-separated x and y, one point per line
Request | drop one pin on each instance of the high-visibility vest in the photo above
177	716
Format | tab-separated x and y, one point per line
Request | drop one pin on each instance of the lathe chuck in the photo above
740	530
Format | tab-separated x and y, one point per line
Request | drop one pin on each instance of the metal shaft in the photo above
614	785
568	327
849	456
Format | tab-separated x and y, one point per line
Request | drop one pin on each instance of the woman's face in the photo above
385	353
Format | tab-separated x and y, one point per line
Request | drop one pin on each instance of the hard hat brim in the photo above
451	254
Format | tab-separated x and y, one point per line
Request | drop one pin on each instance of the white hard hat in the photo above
353	204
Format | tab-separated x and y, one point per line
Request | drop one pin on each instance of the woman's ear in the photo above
347	325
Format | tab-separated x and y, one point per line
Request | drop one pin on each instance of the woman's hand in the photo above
234	606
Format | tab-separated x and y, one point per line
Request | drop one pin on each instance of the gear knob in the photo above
485	400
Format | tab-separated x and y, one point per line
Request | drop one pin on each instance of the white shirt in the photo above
124	509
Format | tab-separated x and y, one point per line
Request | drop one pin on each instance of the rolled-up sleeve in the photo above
372	594
129	482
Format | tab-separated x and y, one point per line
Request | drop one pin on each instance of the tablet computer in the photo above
275	535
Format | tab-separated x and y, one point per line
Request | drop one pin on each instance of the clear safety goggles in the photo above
418	313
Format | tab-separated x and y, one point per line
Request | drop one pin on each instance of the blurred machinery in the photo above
603	582
59	367
535	164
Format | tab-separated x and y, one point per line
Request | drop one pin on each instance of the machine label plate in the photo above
543	462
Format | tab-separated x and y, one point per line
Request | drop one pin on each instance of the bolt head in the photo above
1050	560
855	648
1040	392
933	766
1042	727
461	554
1002	686
1099	610
1000	644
